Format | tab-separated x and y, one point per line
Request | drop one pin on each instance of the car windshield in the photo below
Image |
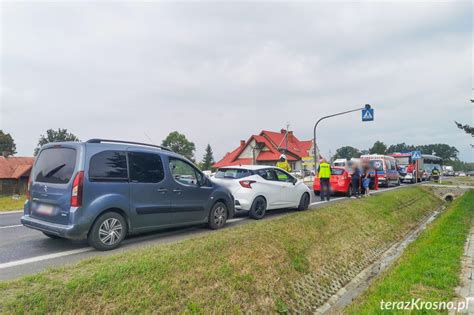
402	160
232	173
377	164
55	165
337	171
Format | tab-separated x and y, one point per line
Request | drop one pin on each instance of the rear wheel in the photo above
258	209
349	191
304	202
218	216
108	231
53	236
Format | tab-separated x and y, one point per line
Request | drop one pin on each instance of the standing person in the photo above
283	163
366	182
324	174
355	181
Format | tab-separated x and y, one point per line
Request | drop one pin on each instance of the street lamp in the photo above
316	153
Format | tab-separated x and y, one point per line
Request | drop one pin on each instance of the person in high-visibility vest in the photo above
283	163
435	174
324	174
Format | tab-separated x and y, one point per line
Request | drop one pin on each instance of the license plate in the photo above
44	209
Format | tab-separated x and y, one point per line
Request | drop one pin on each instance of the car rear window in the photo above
145	167
232	173
55	165
108	166
337	171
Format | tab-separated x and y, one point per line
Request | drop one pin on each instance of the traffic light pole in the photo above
316	151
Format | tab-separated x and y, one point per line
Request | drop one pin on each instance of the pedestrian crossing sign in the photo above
415	155
368	114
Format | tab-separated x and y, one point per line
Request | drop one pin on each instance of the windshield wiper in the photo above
54	170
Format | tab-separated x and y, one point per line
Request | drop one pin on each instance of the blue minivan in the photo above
104	190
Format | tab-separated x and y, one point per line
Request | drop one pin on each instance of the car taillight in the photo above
246	183
28	188
77	188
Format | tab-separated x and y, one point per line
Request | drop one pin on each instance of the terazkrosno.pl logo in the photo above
419	304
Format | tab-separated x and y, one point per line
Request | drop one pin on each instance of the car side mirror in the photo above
294	181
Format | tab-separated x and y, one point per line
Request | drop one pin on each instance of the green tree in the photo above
347	152
60	135
444	151
468	129
400	147
208	159
179	144
7	144
378	148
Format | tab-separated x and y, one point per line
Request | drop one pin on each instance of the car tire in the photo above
349	191
108	231
52	236
304	202
258	209
218	216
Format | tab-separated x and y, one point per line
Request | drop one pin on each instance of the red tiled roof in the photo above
15	167
274	142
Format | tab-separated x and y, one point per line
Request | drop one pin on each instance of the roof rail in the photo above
128	142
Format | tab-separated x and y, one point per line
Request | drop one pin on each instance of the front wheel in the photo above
258	209
218	216
108	231
304	202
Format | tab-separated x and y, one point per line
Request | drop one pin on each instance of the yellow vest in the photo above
324	170
284	166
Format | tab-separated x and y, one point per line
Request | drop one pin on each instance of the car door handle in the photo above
162	190
178	191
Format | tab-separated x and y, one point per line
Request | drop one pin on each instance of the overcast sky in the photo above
219	72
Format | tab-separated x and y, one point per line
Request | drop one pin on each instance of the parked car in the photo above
462	174
104	190
258	188
340	182
385	168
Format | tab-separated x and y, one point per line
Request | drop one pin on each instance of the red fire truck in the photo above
409	169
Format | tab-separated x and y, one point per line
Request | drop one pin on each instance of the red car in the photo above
340	181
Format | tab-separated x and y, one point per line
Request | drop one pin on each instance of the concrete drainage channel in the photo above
331	289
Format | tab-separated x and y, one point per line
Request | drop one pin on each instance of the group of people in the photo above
361	179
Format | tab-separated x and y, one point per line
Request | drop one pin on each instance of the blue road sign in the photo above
415	155
368	114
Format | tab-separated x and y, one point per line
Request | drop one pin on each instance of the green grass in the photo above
249	268
7	203
429	269
463	180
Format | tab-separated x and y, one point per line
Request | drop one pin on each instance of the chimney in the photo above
242	143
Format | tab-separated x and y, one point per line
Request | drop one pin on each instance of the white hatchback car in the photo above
258	188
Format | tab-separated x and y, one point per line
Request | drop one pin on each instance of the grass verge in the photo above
7	203
250	268
429	268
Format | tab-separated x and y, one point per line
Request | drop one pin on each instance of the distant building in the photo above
266	148
14	173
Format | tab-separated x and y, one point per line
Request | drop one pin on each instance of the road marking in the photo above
236	219
332	199
10	226
44	257
9	212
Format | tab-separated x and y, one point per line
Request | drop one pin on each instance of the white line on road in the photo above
236	219
10	212
44	257
332	199
10	226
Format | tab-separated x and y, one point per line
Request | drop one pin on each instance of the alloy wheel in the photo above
110	231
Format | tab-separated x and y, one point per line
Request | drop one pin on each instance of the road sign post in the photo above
366	108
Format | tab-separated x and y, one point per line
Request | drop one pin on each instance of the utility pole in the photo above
316	151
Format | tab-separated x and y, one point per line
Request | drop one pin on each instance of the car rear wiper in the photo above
54	170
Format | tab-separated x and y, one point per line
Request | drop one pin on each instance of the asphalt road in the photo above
24	251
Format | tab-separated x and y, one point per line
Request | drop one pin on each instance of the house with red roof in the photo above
266	148
14	173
